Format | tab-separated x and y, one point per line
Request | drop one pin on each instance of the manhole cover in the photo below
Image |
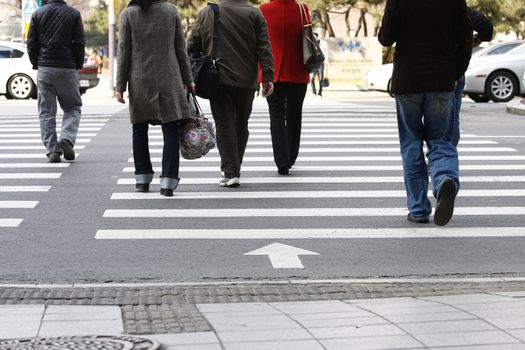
97	342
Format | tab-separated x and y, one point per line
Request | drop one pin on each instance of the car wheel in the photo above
83	91
501	87
480	98
20	87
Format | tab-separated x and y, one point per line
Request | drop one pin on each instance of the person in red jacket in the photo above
285	26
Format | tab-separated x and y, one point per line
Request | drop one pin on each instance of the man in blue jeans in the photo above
433	49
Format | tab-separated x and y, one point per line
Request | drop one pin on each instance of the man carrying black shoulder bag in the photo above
204	67
244	45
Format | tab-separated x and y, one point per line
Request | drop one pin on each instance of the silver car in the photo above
497	49
496	78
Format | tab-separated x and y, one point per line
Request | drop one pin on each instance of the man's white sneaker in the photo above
229	182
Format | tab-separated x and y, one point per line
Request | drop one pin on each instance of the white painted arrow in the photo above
283	256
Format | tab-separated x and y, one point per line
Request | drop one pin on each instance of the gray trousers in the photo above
62	84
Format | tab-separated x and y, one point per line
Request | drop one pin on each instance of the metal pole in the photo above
112	20
23	26
23	22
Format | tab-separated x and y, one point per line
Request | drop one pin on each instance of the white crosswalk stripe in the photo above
35	140
24	155
335	143
36	122
10	222
329	180
366	136
36	128
37	135
39	147
362	150
24	188
33	165
7	176
349	168
210	158
375	233
18	204
305	194
294	212
269	168
23	161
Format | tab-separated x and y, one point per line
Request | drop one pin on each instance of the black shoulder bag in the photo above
313	57
204	68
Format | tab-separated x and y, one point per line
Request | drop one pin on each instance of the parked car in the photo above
497	49
486	53
18	78
497	78
88	76
380	78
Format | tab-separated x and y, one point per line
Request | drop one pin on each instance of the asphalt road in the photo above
344	201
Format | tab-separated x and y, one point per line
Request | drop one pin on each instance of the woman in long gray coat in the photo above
153	64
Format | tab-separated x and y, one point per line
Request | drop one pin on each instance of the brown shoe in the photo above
54	157
67	148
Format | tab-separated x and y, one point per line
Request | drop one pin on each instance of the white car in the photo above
497	49
380	78
496	78
17	77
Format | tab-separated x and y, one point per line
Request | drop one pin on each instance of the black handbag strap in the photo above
198	108
216	33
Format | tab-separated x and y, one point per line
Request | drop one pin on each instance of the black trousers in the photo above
170	154
231	111
286	110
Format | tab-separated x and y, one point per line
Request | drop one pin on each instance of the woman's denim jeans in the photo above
428	118
170	155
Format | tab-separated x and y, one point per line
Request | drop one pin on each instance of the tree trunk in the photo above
327	27
386	54
376	29
347	22
362	23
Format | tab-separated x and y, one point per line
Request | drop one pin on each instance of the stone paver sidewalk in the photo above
478	321
25	321
460	322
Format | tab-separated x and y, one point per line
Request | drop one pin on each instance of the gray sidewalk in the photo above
493	320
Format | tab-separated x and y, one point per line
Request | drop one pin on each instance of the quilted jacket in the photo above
56	37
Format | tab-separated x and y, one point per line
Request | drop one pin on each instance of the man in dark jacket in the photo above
56	45
484	32
433	48
243	44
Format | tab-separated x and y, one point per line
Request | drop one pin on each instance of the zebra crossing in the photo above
25	174
347	183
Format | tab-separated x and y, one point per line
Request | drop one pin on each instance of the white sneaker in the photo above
230	182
